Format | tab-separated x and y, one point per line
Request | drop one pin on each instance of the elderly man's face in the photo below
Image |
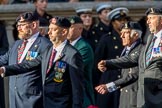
154	23
25	29
126	37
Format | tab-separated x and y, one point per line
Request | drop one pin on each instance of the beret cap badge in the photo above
152	10
72	21
121	12
126	25
53	20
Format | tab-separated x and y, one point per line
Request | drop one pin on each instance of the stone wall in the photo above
8	13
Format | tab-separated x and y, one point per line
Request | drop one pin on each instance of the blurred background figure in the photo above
102	26
3	49
85	13
43	16
75	39
110	47
43	27
3	2
20	1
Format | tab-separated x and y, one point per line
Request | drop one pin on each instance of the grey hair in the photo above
136	31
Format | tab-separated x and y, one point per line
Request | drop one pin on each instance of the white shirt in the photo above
157	41
59	50
31	40
75	41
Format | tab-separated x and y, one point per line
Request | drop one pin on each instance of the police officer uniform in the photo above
100	28
109	47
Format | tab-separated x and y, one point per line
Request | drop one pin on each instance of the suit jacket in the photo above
63	85
25	90
88	59
128	83
150	82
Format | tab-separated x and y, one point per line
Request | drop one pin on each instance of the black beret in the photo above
61	22
26	17
131	25
75	19
43	22
154	11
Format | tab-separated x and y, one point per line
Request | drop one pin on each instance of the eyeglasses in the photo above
21	25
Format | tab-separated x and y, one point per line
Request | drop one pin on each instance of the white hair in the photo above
136	31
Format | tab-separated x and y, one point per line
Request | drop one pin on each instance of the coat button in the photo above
114	38
126	90
116	47
119	76
117	56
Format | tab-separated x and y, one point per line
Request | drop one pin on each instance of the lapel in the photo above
146	48
123	52
56	60
138	41
78	43
34	46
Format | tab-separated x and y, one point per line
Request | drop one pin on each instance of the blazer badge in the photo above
59	69
31	55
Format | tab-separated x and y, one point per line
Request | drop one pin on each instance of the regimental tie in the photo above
21	50
53	54
149	51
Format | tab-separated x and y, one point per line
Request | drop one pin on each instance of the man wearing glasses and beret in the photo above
25	90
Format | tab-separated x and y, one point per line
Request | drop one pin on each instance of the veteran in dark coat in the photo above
25	90
149	60
130	34
87	54
62	69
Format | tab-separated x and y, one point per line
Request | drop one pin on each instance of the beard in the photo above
25	34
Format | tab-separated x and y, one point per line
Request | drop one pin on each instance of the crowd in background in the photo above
56	1
96	39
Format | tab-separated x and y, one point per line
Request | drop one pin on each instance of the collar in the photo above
61	46
75	41
33	37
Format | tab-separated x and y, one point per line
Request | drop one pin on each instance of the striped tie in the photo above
149	51
53	54
21	49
